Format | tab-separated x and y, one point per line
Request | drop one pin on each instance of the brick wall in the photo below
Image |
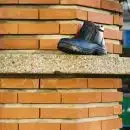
28	24
58	103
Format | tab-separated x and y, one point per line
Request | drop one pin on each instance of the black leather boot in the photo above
90	40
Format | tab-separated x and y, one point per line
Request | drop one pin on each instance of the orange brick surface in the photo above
83	126
95	3
69	28
118	20
19	43
51	97
82	15
112	96
58	13
100	111
38	1
118	109
112	124
109	47
64	83
67	113
113	34
118	83
100	18
90	97
118	48
19	113
18	83
111	5
39	28
8	126
8	1
8	97
18	13
39	126
49	44
8	28
104	83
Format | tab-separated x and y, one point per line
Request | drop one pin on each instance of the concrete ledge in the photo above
41	62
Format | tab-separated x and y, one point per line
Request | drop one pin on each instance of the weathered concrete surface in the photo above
41	62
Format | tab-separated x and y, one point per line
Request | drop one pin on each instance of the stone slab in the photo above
46	62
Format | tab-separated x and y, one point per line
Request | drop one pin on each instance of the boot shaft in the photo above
92	33
99	35
87	31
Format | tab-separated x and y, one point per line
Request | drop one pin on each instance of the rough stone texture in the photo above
41	62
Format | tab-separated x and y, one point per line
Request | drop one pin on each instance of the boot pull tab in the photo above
100	28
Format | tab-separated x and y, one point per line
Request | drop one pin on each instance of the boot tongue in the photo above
86	31
99	36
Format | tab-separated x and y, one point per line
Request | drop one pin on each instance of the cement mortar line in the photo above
47	90
89	105
42	37
106	26
85	120
112	27
49	52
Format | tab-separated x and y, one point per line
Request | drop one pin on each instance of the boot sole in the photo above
70	50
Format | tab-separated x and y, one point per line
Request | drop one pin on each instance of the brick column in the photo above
58	103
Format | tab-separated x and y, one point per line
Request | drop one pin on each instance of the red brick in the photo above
8	28
109	47
49	44
71	2
100	112
82	15
19	43
112	96
111	5
118	48
82	126
64	83
50	97
8	1
8	97
91	3
39	1
39	126
39	28
113	34
118	20
95	3
100	18
18	13
67	113
86	97
57	13
8	126
111	124
19	83
103	83
19	113
72	28
118	83
117	109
